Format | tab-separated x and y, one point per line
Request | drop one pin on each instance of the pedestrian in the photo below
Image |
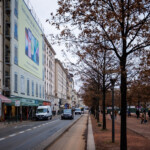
142	118
111	114
129	114
115	113
149	113
137	113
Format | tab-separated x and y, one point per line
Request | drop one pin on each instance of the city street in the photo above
31	134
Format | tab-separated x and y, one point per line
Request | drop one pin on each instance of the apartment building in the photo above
75	99
60	83
49	65
70	87
1	46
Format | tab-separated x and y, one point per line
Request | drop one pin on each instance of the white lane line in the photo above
28	129
1	139
21	131
12	135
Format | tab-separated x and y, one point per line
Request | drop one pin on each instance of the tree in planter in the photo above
101	66
124	25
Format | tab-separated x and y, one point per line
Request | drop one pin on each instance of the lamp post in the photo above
113	125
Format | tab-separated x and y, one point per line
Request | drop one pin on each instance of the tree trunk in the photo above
104	116
104	91
123	139
97	110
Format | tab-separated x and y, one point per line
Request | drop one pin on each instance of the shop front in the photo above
3	109
22	108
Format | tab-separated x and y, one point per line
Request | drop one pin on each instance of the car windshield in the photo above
67	111
78	109
42	110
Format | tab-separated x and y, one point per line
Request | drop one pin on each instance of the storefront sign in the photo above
17	103
46	103
28	101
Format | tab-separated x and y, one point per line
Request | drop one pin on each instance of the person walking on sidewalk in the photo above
142	118
137	113
149	113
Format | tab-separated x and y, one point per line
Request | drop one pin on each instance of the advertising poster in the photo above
29	41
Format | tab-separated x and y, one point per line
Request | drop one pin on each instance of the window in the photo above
36	90
16	31
16	83
16	8
22	85
28	87
32	88
16	55
43	91
40	91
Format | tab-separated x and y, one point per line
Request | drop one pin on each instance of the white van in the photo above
43	112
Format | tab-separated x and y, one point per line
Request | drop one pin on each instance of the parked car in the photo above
43	112
67	114
78	111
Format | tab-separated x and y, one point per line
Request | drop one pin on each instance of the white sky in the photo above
43	8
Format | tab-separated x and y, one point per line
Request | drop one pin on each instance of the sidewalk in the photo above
135	125
137	134
74	138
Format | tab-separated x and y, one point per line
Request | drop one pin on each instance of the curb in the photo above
90	137
48	142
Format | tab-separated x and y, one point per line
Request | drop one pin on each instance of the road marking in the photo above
12	135
21	131
28	129
1	139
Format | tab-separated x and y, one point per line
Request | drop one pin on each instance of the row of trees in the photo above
111	38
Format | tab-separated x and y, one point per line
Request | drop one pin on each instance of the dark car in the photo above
67	114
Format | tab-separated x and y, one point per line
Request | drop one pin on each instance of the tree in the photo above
123	24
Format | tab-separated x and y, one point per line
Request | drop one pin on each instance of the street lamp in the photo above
113	125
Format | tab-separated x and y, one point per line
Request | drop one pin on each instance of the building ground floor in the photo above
20	109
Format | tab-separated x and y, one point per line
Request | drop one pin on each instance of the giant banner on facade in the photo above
29	41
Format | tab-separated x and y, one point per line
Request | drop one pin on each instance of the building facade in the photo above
75	99
1	46
23	60
49	65
70	87
60	83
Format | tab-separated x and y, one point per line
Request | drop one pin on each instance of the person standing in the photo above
137	113
142	118
149	113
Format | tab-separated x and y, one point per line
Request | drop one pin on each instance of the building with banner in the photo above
23	60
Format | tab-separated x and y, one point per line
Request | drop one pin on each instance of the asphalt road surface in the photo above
29	135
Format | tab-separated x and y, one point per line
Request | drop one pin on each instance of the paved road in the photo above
74	138
29	135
